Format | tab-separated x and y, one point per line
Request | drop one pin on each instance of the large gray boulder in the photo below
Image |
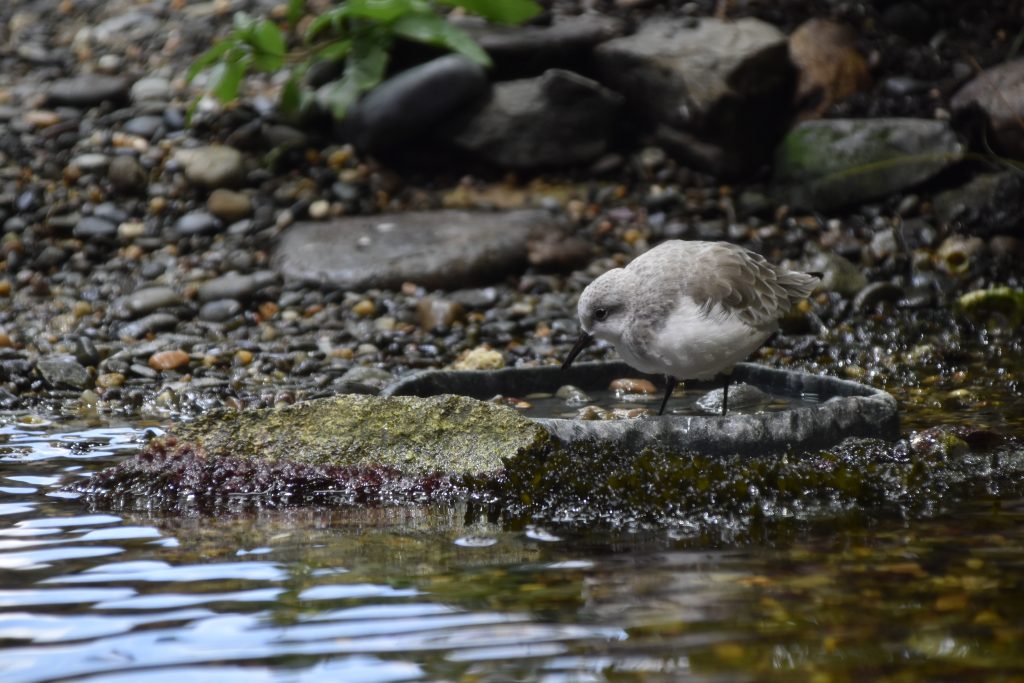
715	91
828	164
557	119
519	51
997	95
434	249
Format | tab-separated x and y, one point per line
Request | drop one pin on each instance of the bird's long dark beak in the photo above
581	343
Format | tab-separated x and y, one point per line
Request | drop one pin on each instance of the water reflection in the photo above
427	594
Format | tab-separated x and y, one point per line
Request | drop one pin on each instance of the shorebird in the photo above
689	310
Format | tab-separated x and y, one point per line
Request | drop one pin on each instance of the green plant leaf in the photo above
267	38
332	52
382	11
500	11
330	19
291	97
369	59
296	8
434	30
341	95
226	80
206	59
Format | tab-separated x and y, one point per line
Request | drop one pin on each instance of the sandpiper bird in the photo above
689	309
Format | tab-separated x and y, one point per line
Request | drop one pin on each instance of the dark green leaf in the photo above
334	51
267	38
368	60
433	30
291	96
296	8
382	11
501	11
226	80
330	19
341	95
209	57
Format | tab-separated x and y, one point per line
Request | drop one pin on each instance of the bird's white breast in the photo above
693	344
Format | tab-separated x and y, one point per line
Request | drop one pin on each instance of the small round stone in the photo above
109	380
364	308
631	385
168	360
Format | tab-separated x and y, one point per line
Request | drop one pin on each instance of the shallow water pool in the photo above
441	594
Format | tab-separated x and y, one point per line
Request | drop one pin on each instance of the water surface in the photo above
441	594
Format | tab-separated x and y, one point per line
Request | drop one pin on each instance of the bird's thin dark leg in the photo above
725	393
670	386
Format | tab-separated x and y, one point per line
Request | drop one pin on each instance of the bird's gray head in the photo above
603	311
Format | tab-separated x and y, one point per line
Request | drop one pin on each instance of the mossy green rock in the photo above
997	306
441	434
832	163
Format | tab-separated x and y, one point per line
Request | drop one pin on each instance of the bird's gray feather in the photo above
720	277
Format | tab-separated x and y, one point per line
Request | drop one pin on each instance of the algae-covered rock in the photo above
440	434
998	305
831	163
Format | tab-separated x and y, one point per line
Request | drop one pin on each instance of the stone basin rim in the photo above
846	409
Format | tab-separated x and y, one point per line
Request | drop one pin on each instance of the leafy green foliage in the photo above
359	33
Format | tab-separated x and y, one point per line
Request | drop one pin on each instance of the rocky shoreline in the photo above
151	269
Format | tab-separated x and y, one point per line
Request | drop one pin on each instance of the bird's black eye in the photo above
600	314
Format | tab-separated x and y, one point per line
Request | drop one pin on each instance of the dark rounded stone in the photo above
197	223
87	90
143	126
219	310
411	103
94	227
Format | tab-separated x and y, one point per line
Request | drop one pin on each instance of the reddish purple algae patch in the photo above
172	475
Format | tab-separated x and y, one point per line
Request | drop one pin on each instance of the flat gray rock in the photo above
64	371
843	409
235	285
831	163
434	249
707	82
556	119
87	90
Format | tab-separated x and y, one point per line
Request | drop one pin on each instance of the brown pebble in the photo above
632	385
243	357
41	118
364	308
5	287
109	380
433	313
5	341
168	360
